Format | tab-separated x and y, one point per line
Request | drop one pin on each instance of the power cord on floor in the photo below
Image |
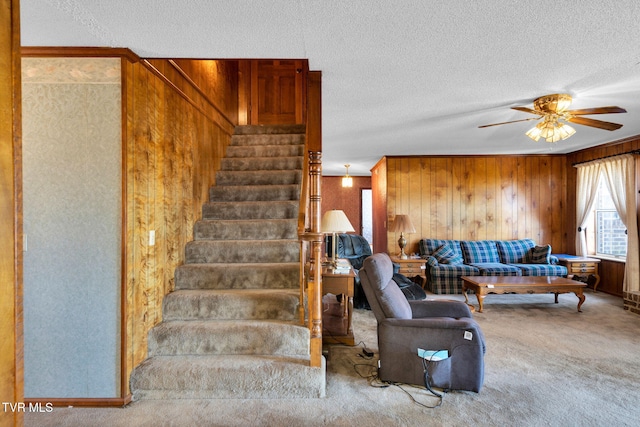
371	374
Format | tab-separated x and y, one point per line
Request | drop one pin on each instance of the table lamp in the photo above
335	221
402	223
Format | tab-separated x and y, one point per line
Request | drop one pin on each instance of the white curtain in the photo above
620	177
586	188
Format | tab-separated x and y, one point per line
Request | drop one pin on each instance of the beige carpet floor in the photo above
546	365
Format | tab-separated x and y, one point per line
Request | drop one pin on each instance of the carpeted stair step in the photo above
267	177
245	229
269	129
242	251
238	276
261	163
278	209
264	151
228	377
241	304
184	337
267	139
252	193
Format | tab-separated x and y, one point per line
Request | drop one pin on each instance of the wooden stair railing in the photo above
309	221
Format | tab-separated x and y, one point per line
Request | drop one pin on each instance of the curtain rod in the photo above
606	157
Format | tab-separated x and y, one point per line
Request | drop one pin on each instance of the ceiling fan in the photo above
553	108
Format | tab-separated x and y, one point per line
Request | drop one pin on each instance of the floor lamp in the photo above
333	222
402	224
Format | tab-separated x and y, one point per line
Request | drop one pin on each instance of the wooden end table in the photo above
580	268
340	283
411	267
483	285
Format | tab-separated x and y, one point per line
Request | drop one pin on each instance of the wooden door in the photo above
277	95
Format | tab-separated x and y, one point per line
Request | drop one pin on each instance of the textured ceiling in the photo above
399	77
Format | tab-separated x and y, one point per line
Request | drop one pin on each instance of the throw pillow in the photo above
445	255
540	254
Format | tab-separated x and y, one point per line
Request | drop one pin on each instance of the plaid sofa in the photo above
448	260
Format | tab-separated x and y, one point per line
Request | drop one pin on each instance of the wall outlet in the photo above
152	238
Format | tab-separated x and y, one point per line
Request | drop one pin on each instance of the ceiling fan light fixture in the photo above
553	108
534	133
565	131
551	130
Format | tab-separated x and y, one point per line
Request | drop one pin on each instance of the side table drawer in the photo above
583	267
412	268
406	271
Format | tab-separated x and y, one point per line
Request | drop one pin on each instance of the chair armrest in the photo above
439	308
435	330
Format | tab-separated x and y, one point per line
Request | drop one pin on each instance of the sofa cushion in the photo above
429	246
540	255
445	278
479	251
514	251
446	255
496	269
542	269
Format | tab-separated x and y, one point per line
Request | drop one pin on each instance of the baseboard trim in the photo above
93	402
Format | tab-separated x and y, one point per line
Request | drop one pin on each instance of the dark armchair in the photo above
356	249
406	326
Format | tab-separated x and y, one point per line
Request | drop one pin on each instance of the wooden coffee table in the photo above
483	285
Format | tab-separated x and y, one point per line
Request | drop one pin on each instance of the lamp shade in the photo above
335	221
402	223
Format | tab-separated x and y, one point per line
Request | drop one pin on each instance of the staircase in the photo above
231	328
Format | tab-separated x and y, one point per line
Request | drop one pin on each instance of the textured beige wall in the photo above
72	209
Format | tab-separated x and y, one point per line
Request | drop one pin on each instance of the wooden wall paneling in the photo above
11	234
611	277
379	196
142	321
392	195
509	186
519	188
477	197
244	92
468	212
171	165
457	199
421	220
490	197
430	183
557	200
415	206
442	195
190	210
532	184
480	183
158	264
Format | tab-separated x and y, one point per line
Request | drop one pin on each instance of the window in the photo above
608	235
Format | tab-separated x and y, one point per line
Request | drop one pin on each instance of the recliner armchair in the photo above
405	326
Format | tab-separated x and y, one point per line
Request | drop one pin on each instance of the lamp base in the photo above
402	242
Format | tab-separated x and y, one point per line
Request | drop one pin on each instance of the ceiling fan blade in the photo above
527	110
594	123
514	121
599	110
